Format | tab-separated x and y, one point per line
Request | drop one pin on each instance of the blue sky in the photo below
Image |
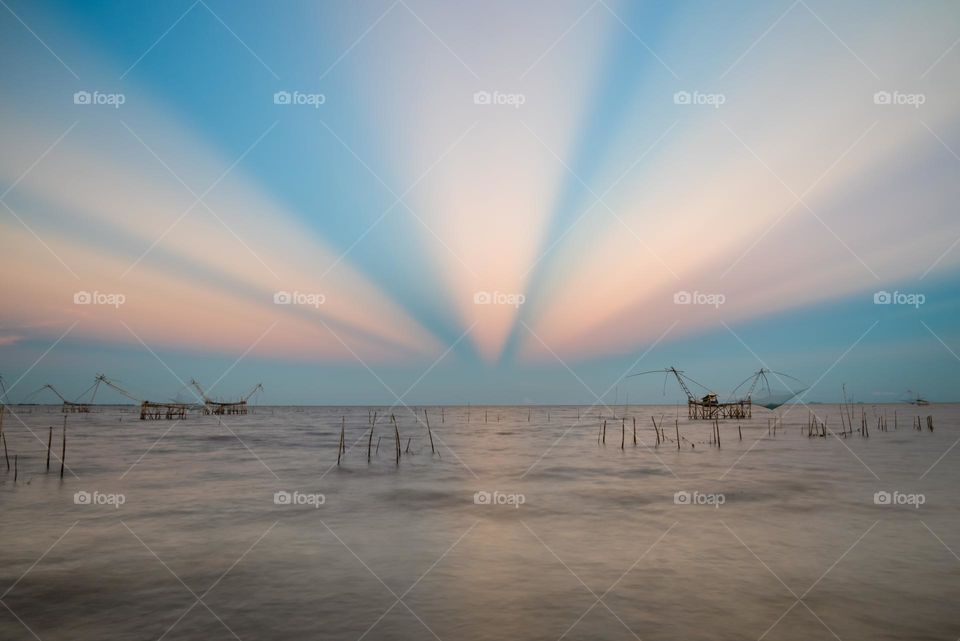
788	159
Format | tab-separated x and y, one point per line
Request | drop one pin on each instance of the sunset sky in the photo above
485	202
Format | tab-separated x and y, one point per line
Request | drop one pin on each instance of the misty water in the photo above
774	536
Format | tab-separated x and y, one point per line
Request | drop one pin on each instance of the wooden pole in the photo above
373	424
16	467
49	444
676	425
63	451
604	431
396	431
634	430
429	433
739	431
340	444
623	432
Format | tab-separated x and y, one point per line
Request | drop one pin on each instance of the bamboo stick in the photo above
373	424
429	433
396	431
63	452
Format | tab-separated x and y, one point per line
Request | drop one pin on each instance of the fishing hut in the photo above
69	407
221	408
149	410
709	407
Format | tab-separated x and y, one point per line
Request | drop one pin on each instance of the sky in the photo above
435	202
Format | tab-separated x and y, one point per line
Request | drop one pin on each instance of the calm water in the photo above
786	543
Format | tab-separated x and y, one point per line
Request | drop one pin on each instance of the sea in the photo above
481	523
